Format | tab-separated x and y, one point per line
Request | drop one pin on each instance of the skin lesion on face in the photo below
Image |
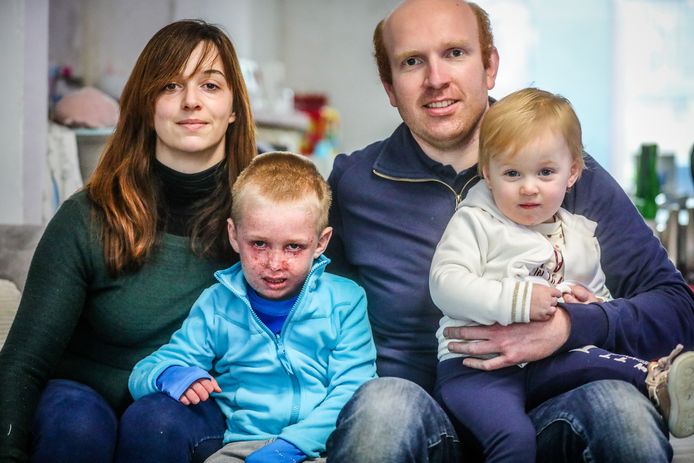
277	244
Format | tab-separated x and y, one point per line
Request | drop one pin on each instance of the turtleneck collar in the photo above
179	194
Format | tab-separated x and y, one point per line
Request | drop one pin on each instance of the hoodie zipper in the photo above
458	196
281	348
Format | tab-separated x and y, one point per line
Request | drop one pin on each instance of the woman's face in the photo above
192	114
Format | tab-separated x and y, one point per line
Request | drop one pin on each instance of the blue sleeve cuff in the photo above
589	326
175	380
277	451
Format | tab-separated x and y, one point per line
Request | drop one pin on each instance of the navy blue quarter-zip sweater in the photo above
391	204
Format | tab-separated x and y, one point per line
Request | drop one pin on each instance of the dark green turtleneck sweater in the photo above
76	322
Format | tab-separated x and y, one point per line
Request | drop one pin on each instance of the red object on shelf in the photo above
311	104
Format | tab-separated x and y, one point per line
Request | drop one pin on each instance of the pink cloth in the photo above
87	107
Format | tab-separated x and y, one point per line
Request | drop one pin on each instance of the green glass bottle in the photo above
647	182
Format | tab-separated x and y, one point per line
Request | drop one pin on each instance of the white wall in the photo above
24	39
255	26
327	48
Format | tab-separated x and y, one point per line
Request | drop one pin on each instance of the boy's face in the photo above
277	244
529	187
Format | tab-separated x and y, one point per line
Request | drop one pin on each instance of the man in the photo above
392	202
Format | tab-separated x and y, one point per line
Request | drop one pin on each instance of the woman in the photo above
120	264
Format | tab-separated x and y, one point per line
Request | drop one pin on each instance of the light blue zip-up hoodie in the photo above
292	385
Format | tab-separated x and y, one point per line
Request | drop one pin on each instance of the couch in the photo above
17	243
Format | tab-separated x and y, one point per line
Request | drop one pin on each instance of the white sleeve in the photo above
457	283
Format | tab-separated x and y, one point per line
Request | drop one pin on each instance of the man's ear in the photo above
323	240
233	239
391	94
493	68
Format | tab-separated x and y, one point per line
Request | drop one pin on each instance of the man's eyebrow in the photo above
463	43
404	54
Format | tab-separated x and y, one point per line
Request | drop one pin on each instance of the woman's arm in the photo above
192	345
51	306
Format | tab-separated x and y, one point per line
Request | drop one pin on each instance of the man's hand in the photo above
199	391
543	302
579	295
514	344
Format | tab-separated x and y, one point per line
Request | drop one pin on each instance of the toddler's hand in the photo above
580	295
199	391
543	302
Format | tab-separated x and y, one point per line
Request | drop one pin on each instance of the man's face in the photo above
439	83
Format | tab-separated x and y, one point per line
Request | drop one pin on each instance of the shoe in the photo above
670	384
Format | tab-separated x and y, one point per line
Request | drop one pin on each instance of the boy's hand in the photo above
277	451
543	302
199	391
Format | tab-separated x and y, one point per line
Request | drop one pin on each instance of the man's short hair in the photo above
484	29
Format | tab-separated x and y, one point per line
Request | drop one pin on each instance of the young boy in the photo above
507	256
279	343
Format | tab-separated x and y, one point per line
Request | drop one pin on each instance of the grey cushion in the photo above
17	244
9	301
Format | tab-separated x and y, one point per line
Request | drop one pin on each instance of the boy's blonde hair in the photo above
520	117
282	177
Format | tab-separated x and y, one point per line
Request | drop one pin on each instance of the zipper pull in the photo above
282	355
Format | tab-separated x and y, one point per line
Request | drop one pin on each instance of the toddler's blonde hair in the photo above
520	117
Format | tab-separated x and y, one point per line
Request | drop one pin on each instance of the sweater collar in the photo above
233	279
401	157
185	189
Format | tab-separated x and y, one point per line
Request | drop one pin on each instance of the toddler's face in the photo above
529	187
277	243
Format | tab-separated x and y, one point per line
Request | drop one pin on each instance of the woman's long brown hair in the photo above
122	187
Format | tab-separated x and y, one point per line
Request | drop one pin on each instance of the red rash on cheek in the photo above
261	258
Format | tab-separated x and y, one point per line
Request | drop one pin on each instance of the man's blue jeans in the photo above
394	420
74	423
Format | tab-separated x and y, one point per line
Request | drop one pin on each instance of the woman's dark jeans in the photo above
74	423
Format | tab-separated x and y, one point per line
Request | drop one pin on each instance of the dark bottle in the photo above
647	183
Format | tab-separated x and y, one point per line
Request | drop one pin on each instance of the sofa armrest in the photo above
9	301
